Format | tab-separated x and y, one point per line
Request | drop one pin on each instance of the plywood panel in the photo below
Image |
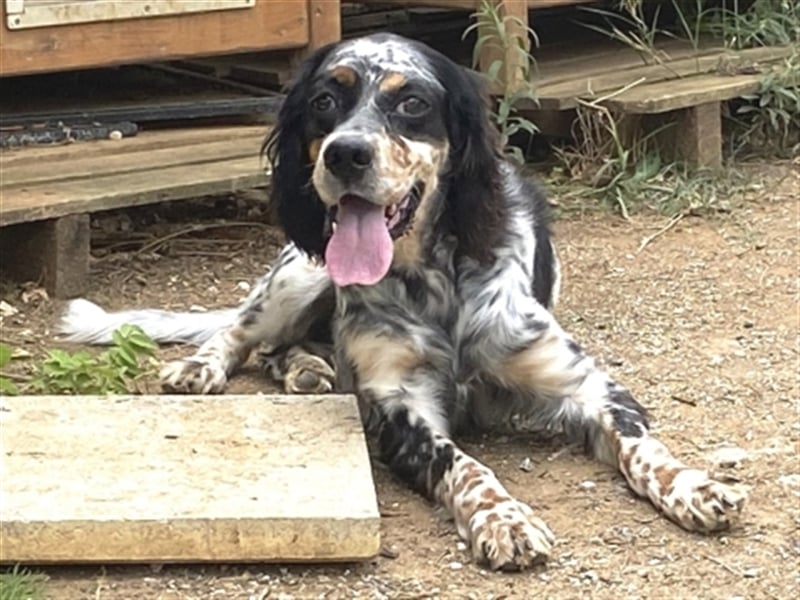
271	24
179	478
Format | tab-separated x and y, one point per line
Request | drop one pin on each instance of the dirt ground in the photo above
702	324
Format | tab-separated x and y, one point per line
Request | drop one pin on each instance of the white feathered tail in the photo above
85	322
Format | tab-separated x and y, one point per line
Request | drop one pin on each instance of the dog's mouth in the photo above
361	246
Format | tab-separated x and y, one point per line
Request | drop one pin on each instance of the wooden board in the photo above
270	24
683	93
181	478
45	183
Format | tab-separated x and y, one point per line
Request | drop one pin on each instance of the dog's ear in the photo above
474	194
300	211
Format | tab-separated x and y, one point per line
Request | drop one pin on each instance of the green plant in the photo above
111	372
7	386
509	36
764	23
770	119
625	170
22	584
631	26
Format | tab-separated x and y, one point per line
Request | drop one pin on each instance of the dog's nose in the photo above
348	157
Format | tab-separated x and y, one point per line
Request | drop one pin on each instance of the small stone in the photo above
728	457
389	552
7	310
751	573
115	135
461	546
587	486
243	285
526	465
456	566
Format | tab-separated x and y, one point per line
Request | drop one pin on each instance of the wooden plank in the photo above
324	23
54	252
563	95
129	162
145	140
55	199
683	93
472	4
182	478
271	24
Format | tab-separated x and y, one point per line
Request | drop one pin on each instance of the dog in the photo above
421	274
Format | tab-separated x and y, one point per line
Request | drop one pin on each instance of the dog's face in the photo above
378	142
371	127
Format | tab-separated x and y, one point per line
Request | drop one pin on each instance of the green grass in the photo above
22	584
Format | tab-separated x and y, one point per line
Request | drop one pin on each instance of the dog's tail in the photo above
85	322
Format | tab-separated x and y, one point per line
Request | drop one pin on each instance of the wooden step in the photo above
185	478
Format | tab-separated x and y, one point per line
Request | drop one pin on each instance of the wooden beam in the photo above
54	252
511	76
185	478
699	135
268	25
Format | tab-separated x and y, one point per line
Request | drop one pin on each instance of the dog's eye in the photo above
412	107
324	103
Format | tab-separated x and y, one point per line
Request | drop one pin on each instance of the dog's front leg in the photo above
522	346
405	380
279	311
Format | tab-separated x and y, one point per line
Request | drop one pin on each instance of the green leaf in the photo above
5	354
8	387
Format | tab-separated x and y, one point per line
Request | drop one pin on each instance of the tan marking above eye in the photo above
313	149
392	82
344	75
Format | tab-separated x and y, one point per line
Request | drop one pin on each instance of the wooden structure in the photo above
684	85
50	205
51	35
683	91
48	193
185	479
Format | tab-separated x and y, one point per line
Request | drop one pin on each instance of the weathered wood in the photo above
514	63
556	93
699	135
175	479
144	141
54	252
684	93
273	25
244	146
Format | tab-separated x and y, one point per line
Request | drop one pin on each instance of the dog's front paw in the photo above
699	503
308	374
509	536
300	370
193	376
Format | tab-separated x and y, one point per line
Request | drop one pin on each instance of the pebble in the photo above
456	566
587	485
526	465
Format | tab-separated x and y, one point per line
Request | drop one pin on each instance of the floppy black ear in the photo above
300	211
474	190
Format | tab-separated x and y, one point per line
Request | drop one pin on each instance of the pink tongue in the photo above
360	250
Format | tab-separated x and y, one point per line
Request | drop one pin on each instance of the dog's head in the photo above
379	138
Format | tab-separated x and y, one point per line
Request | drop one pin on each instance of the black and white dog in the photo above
427	261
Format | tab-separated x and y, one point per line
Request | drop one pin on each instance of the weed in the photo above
7	387
21	584
764	23
632	27
625	171
510	36
115	371
769	120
